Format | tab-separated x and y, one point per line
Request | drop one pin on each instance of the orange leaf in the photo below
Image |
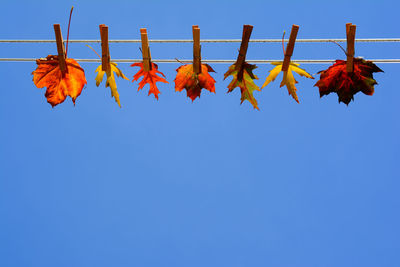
59	85
149	77
193	83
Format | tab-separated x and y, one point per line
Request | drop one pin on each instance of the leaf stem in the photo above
283	43
94	51
69	24
339	46
179	61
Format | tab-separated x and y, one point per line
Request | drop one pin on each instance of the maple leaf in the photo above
345	84
192	82
288	78
149	77
110	82
244	79
59	84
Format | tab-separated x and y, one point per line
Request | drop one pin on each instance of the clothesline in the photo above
223	61
259	61
363	40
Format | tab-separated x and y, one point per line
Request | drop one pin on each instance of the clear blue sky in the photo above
203	184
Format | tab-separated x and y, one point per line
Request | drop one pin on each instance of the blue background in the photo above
208	183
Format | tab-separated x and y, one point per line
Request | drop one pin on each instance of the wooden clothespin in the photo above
247	29
350	35
145	50
105	51
60	48
196	49
290	47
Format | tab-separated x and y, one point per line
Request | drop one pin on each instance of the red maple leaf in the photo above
336	79
193	83
149	77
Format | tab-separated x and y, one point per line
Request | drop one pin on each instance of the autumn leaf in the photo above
288	78
149	77
110	82
59	84
345	84
192	82
245	83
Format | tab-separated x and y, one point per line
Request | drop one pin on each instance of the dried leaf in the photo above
288	78
245	83
192	82
149	77
345	84
59	85
110	82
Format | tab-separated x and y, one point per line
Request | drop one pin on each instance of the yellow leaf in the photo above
272	75
100	74
289	81
110	82
300	71
288	78
117	71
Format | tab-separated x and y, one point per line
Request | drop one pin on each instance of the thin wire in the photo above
364	40
222	61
